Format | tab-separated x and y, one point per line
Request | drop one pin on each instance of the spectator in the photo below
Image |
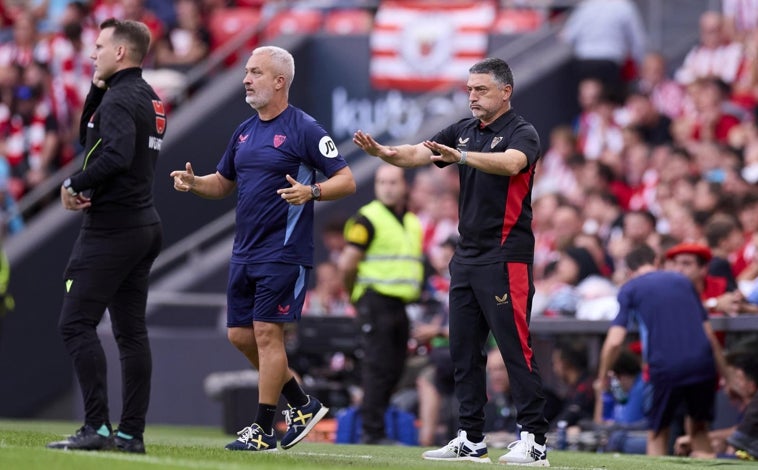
602	135
652	125
716	56
724	237
10	219
740	18
602	214
182	47
679	348
570	366
135	10
627	411
666	94
558	291
710	122
333	238
589	92
67	55
31	140
188	42
744	382
554	172
691	259
20	50
328	297
604	34
638	228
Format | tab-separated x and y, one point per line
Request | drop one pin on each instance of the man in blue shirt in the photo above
680	351
272	160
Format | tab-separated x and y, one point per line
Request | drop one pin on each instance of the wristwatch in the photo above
464	155
712	303
315	191
67	187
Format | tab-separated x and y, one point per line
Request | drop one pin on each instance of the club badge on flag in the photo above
417	46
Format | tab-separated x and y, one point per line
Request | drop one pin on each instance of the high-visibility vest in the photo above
392	264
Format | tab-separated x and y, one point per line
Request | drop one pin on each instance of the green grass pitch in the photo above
22	446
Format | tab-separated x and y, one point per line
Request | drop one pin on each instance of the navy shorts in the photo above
267	292
663	400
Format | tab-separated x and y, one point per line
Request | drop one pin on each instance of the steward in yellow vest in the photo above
392	264
382	268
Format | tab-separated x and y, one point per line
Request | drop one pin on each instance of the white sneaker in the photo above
460	448
526	452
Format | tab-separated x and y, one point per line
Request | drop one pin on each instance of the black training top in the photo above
495	211
122	131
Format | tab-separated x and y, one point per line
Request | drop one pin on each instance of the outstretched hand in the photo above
297	194
443	153
371	146
183	180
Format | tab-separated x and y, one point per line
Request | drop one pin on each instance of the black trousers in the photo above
109	269
384	329
498	298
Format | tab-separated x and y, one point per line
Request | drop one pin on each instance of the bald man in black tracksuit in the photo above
122	128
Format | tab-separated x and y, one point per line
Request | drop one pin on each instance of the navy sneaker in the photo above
86	438
130	444
253	438
300	421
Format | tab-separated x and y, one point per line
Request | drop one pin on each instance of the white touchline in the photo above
341	456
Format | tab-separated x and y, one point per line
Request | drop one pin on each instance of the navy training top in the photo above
259	155
670	316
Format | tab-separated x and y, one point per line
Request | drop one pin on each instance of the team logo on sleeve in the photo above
327	147
160	116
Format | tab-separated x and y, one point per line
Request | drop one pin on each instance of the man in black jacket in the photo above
122	129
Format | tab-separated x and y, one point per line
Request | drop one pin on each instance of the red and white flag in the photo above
420	45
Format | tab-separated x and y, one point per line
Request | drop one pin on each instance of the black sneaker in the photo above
86	438
134	445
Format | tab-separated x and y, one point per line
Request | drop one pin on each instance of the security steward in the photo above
382	268
122	128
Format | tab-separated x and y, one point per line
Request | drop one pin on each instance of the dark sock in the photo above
540	439
294	395
265	417
474	437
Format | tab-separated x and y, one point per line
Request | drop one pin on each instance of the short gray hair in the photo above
283	61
